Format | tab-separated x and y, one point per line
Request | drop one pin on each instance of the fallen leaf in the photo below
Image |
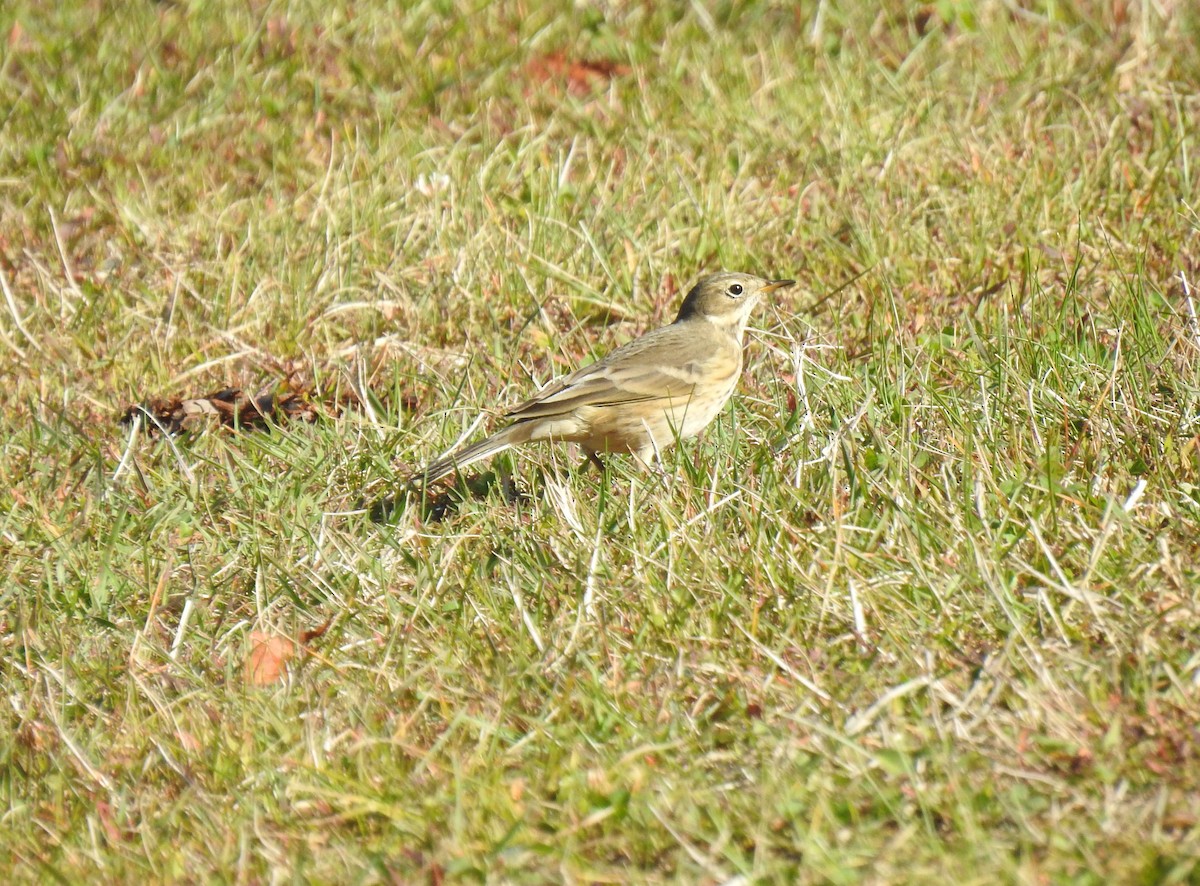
228	407
269	655
581	76
108	823
307	637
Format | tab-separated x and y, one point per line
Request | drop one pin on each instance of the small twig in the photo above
76	751
696	855
587	605
135	427
694	520
68	268
1191	306
166	435
784	666
16	315
519	603
860	722
188	606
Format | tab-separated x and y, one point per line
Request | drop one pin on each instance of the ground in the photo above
921	605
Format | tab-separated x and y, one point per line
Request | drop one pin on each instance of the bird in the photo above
641	398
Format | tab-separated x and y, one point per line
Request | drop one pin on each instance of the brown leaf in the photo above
269	655
307	637
108	823
581	76
280	39
228	407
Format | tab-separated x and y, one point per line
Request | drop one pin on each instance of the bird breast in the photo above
648	426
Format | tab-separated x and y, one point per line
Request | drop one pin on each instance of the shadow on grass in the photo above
438	503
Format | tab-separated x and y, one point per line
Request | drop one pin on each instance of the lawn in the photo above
920	606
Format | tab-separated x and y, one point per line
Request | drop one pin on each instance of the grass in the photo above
921	604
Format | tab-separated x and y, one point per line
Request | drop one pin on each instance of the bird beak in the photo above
778	284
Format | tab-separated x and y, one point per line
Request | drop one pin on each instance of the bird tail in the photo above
460	458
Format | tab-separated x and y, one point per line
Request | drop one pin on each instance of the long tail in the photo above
459	459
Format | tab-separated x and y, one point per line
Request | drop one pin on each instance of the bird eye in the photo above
735	289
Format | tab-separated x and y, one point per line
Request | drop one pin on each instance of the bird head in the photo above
726	299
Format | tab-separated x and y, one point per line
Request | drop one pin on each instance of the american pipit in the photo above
665	386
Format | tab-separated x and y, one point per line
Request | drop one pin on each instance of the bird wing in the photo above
653	367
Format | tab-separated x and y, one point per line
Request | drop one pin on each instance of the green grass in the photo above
920	606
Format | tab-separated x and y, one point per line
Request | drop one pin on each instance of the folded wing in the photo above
631	374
